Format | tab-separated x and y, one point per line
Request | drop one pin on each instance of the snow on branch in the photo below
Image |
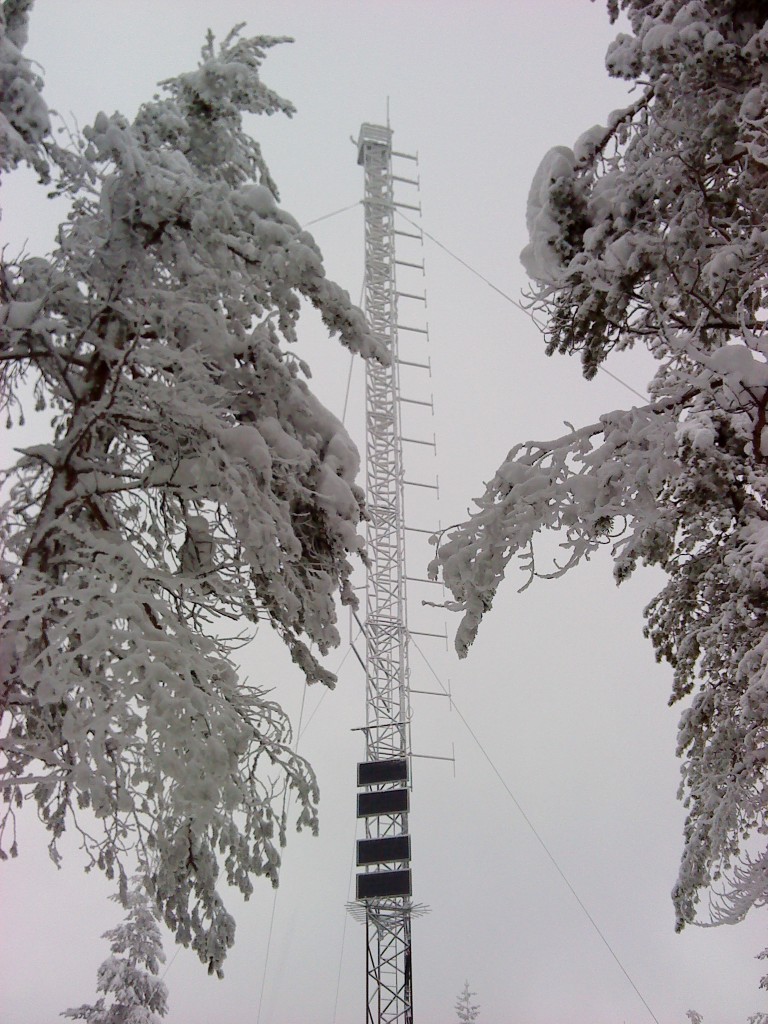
25	126
590	484
190	477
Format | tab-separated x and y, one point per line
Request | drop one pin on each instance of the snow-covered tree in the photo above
190	478
466	1011
651	232
132	991
25	126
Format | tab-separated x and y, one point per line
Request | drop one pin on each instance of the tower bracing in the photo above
383	856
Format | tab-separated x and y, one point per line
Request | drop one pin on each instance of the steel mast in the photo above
384	883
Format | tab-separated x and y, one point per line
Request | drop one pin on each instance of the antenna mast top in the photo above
374	135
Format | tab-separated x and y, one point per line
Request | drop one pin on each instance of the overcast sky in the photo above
560	689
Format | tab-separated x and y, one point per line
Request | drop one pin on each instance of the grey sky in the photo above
560	688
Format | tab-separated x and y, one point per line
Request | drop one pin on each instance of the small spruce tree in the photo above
466	1012
131	991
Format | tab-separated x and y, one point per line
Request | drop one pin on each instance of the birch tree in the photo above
651	231
190	478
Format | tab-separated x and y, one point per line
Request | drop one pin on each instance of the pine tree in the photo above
190	479
132	992
466	1011
651	232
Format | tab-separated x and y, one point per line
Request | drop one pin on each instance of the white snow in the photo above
19	316
282	444
659	36
257	198
740	366
539	257
589	142
245	442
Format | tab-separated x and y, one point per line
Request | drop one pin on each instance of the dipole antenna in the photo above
383	887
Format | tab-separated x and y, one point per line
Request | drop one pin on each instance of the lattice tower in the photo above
384	886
